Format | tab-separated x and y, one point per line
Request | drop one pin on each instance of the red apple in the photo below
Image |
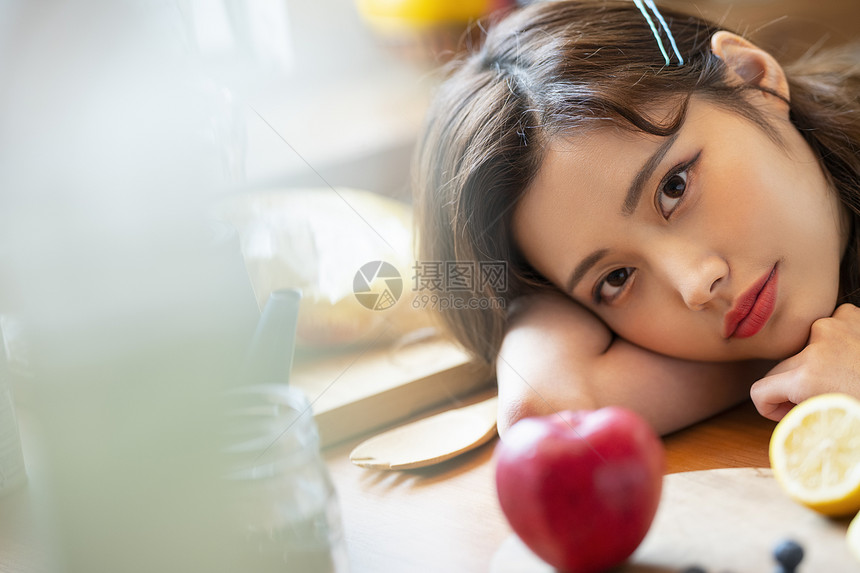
581	488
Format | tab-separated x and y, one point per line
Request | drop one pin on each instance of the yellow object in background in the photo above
815	454
428	31
391	15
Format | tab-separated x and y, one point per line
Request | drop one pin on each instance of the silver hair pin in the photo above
650	3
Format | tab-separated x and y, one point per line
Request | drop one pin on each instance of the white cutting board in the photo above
725	520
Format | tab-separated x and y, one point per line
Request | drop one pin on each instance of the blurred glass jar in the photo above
285	500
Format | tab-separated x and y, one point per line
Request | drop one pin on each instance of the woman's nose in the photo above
697	278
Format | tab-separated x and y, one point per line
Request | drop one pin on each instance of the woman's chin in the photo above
735	350
774	347
787	346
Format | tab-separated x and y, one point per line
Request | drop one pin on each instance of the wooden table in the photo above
447	518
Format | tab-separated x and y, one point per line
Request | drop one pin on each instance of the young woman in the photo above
677	212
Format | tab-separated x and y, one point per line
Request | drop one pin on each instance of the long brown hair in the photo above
571	65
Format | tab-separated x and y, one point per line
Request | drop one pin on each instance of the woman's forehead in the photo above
595	157
607	147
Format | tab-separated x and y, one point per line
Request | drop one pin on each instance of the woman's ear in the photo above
749	64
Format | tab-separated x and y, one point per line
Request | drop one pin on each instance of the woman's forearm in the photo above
556	355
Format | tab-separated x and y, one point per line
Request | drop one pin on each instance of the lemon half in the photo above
853	536
815	454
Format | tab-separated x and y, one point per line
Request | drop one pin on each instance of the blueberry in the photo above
789	554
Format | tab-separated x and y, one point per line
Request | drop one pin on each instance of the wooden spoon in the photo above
431	440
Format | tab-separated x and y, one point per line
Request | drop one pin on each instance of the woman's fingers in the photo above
776	394
829	363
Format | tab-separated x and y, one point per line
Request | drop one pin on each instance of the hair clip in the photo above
650	3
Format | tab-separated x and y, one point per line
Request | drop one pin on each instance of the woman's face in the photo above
716	243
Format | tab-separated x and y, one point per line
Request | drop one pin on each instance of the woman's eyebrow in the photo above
637	186
583	267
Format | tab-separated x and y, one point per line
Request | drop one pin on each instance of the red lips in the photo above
753	308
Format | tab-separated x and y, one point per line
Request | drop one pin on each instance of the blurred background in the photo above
378	63
165	165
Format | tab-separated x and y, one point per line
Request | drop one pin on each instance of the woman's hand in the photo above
830	362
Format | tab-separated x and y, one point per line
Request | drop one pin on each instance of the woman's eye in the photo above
671	192
612	285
